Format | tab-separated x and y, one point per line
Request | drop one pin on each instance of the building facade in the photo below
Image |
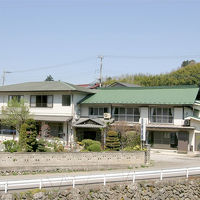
171	114
167	113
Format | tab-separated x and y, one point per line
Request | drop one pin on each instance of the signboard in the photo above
143	129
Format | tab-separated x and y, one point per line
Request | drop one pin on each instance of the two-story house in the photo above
171	114
167	112
50	102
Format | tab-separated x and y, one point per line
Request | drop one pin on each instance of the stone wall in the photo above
149	190
72	161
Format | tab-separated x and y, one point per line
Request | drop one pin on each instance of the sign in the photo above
143	129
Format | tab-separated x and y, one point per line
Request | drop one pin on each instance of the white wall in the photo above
144	113
57	108
178	116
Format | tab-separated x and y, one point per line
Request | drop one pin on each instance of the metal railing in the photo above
102	178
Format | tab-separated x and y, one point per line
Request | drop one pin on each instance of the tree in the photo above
49	78
112	141
188	62
27	136
15	114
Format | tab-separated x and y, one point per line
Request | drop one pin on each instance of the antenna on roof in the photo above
100	74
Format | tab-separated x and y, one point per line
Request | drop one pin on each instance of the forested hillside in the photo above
187	75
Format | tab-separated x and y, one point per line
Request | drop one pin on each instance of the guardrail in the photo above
102	178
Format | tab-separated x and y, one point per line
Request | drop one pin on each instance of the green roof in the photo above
44	86
184	95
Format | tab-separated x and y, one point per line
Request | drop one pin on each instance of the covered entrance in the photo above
87	128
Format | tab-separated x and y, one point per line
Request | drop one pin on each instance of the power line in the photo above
151	57
55	66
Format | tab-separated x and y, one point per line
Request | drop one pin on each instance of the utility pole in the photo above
100	74
4	76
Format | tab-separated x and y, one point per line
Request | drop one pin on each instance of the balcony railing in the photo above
161	119
126	117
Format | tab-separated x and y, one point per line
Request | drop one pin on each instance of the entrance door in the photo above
89	135
183	140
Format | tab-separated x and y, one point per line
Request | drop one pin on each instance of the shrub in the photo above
41	146
130	139
91	145
11	146
58	146
135	148
112	141
87	142
94	147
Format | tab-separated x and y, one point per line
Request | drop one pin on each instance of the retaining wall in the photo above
72	161
172	189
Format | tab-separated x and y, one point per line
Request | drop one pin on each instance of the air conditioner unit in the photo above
186	122
106	115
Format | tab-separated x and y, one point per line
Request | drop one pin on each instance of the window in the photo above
18	97
97	111
126	114
42	101
161	115
66	100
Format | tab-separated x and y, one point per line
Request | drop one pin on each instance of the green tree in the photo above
188	62
112	141
49	78
27	136
15	114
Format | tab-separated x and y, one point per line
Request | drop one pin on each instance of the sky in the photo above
65	37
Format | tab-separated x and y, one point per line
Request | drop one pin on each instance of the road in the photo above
161	160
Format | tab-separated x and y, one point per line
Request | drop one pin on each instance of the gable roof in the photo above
43	86
89	123
121	84
177	95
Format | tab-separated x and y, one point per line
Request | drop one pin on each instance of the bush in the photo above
130	139
91	145
11	146
58	146
87	142
41	146
135	148
112	141
94	147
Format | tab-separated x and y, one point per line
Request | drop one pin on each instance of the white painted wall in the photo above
144	113
57	108
178	116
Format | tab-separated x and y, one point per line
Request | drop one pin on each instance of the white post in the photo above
104	180
187	173
6	187
134	177
161	175
73	182
40	184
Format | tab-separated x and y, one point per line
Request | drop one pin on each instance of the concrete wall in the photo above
79	160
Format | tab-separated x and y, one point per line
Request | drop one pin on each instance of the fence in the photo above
102	178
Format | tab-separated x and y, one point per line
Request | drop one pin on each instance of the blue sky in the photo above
40	33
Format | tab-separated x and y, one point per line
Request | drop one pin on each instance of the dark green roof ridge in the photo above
151	87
